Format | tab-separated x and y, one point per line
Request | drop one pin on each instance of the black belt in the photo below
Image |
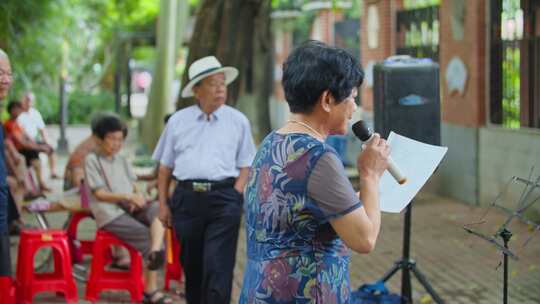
201	185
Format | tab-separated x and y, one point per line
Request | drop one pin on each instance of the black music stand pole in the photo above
406	264
505	234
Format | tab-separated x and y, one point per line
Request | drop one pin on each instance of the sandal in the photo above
156	297
156	260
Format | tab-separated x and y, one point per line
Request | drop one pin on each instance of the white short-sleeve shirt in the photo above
211	147
31	121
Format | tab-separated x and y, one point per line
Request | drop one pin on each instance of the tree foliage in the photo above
81	36
238	33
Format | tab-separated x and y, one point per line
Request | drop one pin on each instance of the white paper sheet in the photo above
417	161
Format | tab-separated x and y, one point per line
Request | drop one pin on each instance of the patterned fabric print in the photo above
294	255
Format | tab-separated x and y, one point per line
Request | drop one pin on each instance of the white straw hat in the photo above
205	67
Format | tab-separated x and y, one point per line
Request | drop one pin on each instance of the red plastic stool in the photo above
173	269
101	279
7	290
60	280
76	217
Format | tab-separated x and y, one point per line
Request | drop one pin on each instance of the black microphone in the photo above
363	133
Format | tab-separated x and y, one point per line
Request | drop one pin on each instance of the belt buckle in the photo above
201	187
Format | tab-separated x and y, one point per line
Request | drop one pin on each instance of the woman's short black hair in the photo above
13	104
315	67
108	123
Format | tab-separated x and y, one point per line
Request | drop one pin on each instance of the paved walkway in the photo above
461	267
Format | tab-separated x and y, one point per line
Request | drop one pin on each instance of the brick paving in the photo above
461	267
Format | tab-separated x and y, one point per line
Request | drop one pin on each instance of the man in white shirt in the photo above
208	149
32	123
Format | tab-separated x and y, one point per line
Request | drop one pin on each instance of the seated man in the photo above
24	144
32	123
74	171
18	180
119	207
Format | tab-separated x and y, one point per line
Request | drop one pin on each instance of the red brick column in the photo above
323	27
386	39
283	46
469	109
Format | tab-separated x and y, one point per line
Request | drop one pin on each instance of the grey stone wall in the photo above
504	153
480	162
457	176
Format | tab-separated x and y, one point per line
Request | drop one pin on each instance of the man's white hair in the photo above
30	95
3	54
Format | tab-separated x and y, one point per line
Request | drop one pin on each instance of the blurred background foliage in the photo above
80	36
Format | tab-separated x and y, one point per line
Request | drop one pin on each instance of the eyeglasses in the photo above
4	73
215	85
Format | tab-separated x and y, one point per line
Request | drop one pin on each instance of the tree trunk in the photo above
168	30
238	33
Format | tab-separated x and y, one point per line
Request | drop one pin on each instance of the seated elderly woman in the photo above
119	207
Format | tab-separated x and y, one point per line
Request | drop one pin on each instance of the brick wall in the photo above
323	27
283	46
462	114
386	37
322	30
469	109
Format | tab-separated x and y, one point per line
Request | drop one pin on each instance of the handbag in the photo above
375	293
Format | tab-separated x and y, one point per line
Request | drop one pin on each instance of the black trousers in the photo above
207	226
5	255
5	258
13	213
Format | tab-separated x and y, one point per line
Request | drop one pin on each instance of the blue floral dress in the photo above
293	253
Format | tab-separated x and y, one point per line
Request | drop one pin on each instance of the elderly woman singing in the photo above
302	213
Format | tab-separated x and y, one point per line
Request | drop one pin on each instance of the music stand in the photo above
525	201
406	264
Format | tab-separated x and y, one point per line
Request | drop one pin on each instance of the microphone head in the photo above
361	130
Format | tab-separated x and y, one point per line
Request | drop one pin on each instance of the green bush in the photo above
82	105
48	104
